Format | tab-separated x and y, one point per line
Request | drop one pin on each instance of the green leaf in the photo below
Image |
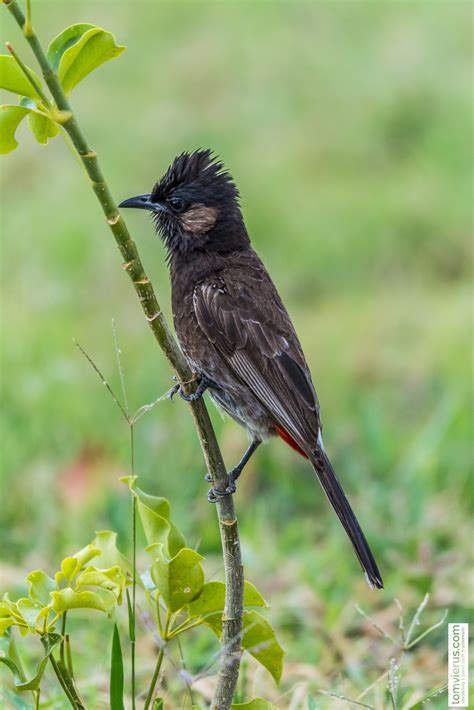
30	611
180	579
42	126
5	623
50	642
80	49
158	505
258	639
116	673
111	579
110	555
255	704
66	39
13	79
71	566
11	615
34	682
40	585
212	599
66	599
13	667
155	514
10	119
252	596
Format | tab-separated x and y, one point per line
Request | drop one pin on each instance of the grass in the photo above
346	126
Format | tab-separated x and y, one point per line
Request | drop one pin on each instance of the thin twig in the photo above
28	75
234	577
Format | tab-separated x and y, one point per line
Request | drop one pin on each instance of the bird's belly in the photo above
234	398
245	409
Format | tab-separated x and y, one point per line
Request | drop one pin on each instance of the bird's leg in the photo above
204	383
233	475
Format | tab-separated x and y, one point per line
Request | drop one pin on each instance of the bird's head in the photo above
195	206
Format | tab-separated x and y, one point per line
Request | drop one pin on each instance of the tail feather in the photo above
341	505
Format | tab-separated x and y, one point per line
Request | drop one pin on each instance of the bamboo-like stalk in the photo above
232	621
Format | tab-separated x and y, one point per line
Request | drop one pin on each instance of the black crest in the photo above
198	176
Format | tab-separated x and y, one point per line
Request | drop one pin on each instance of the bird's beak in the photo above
143	202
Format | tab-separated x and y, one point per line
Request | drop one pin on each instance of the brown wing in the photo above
241	313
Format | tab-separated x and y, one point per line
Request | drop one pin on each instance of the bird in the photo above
234	329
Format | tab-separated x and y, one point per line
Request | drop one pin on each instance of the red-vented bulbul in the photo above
233	328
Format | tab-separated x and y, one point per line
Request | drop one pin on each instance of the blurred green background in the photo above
347	127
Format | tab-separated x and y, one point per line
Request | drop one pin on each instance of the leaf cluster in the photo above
98	576
176	587
73	54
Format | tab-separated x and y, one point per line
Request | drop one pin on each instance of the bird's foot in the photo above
203	384
214	493
175	388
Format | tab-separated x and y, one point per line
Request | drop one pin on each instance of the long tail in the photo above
341	505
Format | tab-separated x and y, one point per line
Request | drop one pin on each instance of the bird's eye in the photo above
176	203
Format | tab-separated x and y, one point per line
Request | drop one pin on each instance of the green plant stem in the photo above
154	680
158	615
159	661
185	626
77	705
134	571
28	75
233	612
63	634
69	665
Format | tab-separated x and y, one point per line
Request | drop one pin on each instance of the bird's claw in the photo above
189	397
173	390
214	493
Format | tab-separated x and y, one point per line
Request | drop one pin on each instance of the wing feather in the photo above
259	344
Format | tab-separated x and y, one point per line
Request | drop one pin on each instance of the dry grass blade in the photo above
103	380
416	619
428	631
376	626
347	700
118	353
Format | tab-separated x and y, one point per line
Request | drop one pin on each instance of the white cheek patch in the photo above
199	219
